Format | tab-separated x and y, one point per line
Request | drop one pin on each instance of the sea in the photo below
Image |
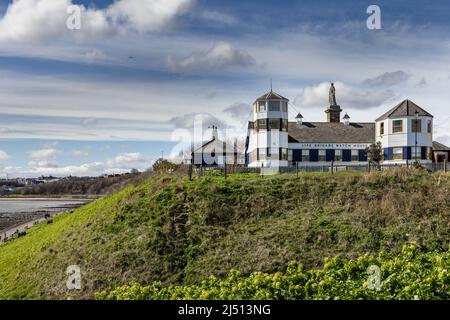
14	212
32	205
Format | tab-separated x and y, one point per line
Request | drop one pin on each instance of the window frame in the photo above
322	157
283	154
354	153
395	155
306	157
272	121
284	125
290	155
262	155
273	108
336	159
381	128
258	127
416	125
395	128
416	153
429	126
262	106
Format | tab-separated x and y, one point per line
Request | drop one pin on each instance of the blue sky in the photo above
129	84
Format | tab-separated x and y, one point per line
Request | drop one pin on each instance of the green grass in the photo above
177	231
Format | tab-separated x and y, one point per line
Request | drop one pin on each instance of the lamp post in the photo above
416	114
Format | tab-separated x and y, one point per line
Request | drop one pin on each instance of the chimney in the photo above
215	135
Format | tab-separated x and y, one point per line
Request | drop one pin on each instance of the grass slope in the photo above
173	230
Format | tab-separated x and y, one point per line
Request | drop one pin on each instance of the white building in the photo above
405	133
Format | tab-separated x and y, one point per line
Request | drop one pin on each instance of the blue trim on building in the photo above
405	153
296	155
314	155
362	155
330	154
424	153
346	155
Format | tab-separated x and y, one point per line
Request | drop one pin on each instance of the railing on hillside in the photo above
331	168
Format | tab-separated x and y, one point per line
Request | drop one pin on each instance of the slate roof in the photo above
272	96
211	146
326	132
404	108
439	146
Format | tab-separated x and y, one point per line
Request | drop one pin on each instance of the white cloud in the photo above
34	20
205	120
388	79
239	111
147	15
4	155
127	161
220	56
43	154
347	96
79	154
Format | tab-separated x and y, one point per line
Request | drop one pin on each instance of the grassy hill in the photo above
177	231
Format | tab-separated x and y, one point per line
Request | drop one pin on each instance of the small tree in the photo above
375	153
163	165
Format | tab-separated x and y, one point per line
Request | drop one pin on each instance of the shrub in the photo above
410	275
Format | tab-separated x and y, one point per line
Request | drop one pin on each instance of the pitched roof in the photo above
326	132
213	145
404	108
440	146
272	96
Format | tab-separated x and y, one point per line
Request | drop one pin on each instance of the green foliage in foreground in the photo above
410	275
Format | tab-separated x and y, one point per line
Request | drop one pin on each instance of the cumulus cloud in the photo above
34	20
239	111
388	79
204	120
43	154
4	155
147	15
79	154
42	164
127	161
121	163
220	56
346	96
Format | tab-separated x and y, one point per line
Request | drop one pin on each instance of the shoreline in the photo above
46	198
26	219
